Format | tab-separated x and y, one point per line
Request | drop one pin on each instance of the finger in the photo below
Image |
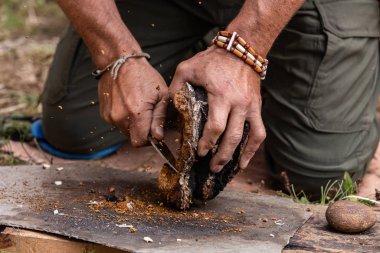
231	139
118	112
182	75
216	123
105	101
139	127
255	138
158	120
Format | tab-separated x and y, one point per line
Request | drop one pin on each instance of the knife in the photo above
164	151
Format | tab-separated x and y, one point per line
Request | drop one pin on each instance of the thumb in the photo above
181	76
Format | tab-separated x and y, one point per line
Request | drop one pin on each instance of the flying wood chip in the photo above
195	181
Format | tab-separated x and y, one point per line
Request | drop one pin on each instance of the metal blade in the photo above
164	151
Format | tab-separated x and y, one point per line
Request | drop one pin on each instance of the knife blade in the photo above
164	151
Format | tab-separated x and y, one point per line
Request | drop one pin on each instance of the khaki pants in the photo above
319	98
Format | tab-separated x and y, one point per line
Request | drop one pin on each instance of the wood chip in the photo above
46	166
148	239
124	225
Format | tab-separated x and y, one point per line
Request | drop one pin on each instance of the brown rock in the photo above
350	217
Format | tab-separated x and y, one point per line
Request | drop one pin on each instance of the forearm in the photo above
101	27
260	21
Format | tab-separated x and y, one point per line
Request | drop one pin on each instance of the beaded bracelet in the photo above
232	42
115	66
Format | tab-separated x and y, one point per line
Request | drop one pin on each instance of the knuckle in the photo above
260	135
250	151
257	137
135	111
235	138
244	100
181	67
224	158
216	128
209	143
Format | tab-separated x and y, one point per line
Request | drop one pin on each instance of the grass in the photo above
337	190
16	130
29	18
330	193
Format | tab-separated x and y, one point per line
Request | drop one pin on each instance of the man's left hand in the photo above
233	90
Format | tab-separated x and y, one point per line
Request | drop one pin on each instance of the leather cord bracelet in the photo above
232	42
115	66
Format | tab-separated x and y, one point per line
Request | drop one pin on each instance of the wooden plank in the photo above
14	240
316	236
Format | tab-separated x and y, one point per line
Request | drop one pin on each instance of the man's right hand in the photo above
136	101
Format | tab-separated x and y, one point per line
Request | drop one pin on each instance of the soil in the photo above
25	63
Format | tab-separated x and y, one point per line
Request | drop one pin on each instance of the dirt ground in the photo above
24	59
29	32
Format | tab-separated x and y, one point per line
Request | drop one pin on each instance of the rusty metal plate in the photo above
31	197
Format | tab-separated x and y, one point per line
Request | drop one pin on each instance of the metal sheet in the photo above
233	222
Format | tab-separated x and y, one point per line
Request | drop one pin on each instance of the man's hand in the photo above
135	102
233	87
233	90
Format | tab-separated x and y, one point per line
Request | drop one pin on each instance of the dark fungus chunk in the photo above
195	182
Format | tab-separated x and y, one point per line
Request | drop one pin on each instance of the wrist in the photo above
112	46
252	34
107	54
260	22
233	43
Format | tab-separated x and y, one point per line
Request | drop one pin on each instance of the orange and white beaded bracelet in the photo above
232	42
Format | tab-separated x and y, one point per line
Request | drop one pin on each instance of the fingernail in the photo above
202	152
217	168
160	132
244	164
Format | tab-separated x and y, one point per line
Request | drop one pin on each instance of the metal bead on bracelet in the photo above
115	66
232	42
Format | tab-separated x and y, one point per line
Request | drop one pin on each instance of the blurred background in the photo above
29	32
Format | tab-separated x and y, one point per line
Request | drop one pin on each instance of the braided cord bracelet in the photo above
232	42
116	65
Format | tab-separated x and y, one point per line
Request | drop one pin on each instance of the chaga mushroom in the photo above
194	181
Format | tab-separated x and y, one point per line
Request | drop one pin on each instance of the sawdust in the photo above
131	206
154	211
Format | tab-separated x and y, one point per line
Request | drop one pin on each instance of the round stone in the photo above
350	217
